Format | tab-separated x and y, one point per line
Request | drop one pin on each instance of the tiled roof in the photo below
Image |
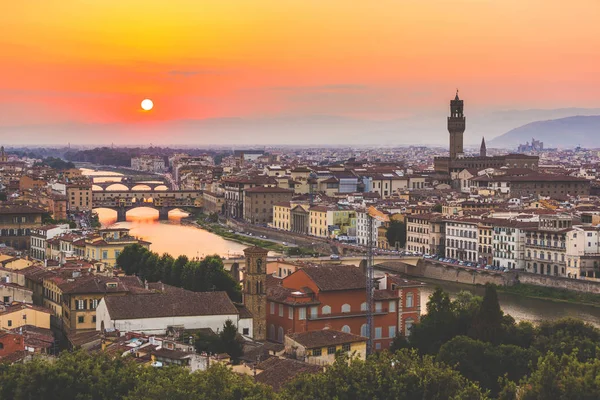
91	284
278	371
324	338
267	189
336	277
170	305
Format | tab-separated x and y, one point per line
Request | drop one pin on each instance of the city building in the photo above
259	202
545	245
321	347
583	252
39	239
107	244
16	223
461	239
254	290
148	163
79	196
16	315
508	242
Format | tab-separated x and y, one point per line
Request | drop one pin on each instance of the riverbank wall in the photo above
576	285
450	273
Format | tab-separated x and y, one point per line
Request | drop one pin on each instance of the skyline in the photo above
74	67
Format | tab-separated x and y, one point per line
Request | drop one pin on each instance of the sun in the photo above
147	104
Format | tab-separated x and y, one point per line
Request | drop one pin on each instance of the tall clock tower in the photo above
255	289
456	127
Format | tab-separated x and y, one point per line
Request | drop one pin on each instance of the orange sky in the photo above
93	61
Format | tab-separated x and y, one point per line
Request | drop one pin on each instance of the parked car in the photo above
334	257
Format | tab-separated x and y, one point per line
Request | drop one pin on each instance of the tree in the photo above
401	376
437	326
437	208
396	233
566	336
487	324
230	342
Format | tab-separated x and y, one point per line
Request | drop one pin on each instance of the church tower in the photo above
255	290
456	127
482	149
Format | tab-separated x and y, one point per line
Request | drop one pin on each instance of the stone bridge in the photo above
163	200
130	185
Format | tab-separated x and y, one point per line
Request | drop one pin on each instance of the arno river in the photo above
176	239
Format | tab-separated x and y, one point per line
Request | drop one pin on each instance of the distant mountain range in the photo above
567	132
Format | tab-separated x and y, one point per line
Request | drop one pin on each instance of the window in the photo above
9	322
346	329
409	300
290	312
314	311
378	346
246	331
326	310
80	319
408	326
94	304
280	334
378	333
316	352
272	308
363	307
281	310
302	313
331	350
392	331
1	346
94	319
364	331
392	305
346	308
378	306
80	305
104	254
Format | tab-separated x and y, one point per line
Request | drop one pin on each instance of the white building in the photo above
148	163
40	236
583	252
155	313
461	239
508	243
362	228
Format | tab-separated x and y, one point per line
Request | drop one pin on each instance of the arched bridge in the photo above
130	185
163	201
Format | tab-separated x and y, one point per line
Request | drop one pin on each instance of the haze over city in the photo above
293	72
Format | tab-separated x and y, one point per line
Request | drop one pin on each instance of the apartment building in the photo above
259	202
583	252
508	242
461	239
545	245
79	196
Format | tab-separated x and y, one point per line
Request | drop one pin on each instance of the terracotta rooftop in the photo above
324	338
335	277
276	372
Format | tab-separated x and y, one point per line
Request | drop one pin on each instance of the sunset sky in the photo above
93	61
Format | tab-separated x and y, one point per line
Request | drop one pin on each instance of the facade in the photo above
16	223
485	247
17	315
234	193
259	202
318	216
545	246
282	214
107	245
329	297
554	186
255	290
213	202
148	163
583	252
39	239
362	228
425	233
461	239
79	196
508	243
409	300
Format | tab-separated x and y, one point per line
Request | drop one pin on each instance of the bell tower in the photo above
255	290
456	127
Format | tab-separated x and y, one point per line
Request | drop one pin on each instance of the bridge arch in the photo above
141	187
115	187
97	188
161	188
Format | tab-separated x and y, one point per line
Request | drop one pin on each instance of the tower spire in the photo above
456	127
483	149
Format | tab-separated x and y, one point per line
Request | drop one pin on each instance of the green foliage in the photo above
437	208
83	376
400	376
56	163
484	362
568	336
203	275
555	294
487	324
48	220
396	234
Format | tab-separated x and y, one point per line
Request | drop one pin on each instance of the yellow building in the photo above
320	347
107	245
318	221
17	315
79	196
282	215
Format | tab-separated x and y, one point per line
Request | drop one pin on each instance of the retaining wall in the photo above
578	285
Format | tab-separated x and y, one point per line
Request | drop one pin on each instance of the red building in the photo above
409	300
12	346
334	297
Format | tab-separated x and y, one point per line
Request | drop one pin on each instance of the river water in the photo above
176	239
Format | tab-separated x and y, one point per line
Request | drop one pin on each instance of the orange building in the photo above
329	297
